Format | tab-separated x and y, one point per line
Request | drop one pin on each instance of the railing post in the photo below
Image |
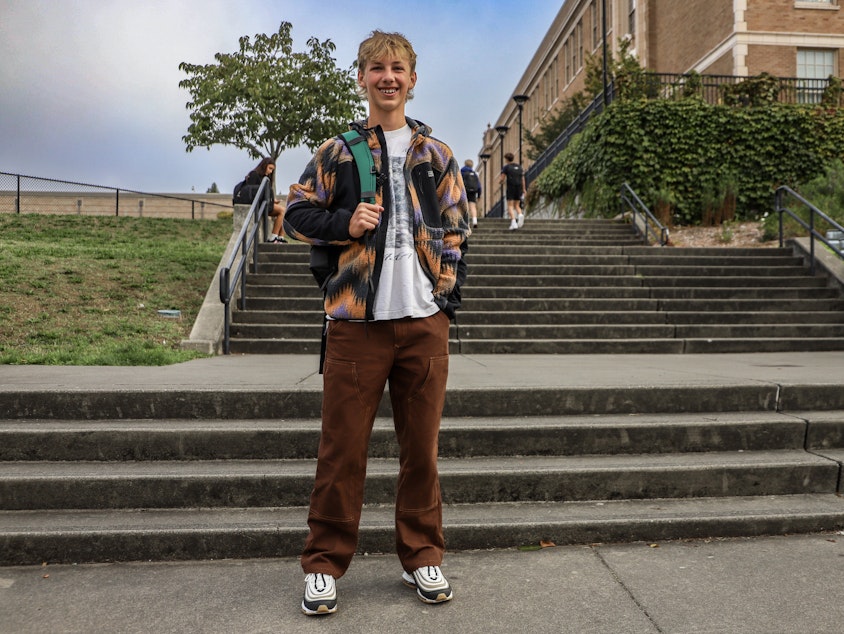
812	241
225	274
117	202
18	197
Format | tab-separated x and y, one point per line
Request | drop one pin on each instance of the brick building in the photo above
787	38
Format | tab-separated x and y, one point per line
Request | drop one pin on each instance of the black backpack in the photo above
471	181
514	174
244	194
324	259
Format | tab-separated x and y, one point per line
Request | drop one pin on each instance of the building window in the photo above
830	2
580	45
556	77
631	26
814	66
566	61
593	17
573	45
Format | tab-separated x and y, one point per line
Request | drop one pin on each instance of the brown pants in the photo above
412	354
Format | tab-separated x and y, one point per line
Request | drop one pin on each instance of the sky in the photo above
89	89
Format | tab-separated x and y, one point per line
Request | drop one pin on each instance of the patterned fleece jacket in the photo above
321	204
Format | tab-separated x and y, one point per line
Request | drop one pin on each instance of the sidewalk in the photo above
765	585
299	372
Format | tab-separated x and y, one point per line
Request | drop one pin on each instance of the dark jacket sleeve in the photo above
321	204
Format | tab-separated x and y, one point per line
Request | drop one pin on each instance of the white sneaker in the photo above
514	224
520	220
474	222
320	594
430	583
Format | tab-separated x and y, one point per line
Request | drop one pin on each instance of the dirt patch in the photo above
740	234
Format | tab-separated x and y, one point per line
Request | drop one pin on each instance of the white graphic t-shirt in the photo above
403	288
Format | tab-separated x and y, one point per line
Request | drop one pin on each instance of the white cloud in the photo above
90	87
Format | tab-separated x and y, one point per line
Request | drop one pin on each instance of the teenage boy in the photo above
388	306
515	179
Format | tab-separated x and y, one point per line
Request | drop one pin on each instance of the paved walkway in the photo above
765	585
256	372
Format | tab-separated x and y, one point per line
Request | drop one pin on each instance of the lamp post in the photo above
520	102
484	158
604	47
502	130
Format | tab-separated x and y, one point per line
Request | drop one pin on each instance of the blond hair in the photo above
380	44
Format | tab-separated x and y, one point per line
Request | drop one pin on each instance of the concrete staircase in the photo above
582	287
94	484
224	470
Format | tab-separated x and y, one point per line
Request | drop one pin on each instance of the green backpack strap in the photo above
359	148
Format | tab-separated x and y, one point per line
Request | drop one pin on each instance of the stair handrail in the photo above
781	208
255	221
651	226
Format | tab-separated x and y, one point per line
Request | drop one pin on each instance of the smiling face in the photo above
387	82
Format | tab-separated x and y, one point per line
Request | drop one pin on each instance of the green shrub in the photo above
704	154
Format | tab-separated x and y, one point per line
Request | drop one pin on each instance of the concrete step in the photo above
793	305
32	537
632	290
292	439
282	318
734	281
604	329
479	480
305	401
311	345
729	292
748	270
644	346
258	284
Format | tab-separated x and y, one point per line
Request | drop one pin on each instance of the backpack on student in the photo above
244	194
470	180
324	259
514	174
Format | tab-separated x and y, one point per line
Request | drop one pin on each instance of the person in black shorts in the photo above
513	174
473	189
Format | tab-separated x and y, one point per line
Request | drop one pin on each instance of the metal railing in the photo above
644	221
715	89
560	143
784	191
33	194
232	274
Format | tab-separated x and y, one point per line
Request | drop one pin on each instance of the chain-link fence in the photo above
31	194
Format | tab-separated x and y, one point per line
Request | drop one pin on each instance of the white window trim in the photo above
822	5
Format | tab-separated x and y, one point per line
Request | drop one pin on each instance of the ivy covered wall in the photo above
693	155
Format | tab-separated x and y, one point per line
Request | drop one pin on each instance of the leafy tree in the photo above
553	124
213	189
629	77
265	98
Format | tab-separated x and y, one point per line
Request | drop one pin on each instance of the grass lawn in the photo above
78	290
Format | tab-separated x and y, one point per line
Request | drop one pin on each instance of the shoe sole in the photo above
321	610
441	597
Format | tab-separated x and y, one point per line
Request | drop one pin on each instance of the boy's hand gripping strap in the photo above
366	166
